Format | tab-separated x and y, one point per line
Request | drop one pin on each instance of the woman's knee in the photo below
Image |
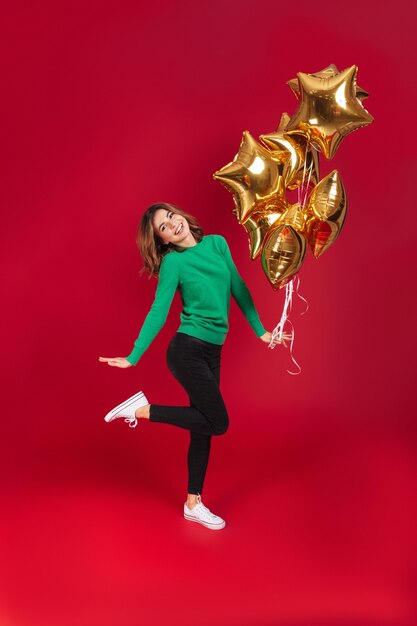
221	426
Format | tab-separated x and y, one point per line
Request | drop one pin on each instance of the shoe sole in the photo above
125	405
206	524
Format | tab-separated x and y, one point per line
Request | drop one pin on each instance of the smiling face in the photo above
172	228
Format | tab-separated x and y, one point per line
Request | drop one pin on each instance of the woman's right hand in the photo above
117	361
267	338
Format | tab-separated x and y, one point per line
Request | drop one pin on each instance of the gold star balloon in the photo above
328	110
283	123
327	72
308	174
286	152
255	179
300	160
257	226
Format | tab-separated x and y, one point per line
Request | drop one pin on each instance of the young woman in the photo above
201	268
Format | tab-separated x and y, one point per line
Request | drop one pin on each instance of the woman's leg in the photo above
193	363
197	461
199	450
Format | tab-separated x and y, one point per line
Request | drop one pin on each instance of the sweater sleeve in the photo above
167	285
240	292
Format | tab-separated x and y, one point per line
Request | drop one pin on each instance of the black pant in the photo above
196	365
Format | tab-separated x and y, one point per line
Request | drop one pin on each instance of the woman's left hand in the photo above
267	338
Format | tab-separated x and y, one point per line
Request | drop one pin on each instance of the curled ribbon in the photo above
277	333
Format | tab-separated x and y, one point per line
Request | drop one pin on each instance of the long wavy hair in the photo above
150	246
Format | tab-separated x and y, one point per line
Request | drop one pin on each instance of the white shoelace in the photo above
205	511
132	421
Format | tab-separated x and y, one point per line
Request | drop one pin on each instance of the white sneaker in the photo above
202	515
127	409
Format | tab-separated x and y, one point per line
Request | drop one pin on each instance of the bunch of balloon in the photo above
261	175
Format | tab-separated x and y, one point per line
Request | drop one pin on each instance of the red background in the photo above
106	108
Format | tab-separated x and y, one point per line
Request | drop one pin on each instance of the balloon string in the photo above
291	354
297	286
305	187
279	328
304	177
310	169
290	288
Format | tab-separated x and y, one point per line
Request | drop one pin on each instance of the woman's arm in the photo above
241	293
167	285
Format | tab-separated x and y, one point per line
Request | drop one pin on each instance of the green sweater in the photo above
205	275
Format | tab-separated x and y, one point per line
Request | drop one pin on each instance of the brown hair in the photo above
150	245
